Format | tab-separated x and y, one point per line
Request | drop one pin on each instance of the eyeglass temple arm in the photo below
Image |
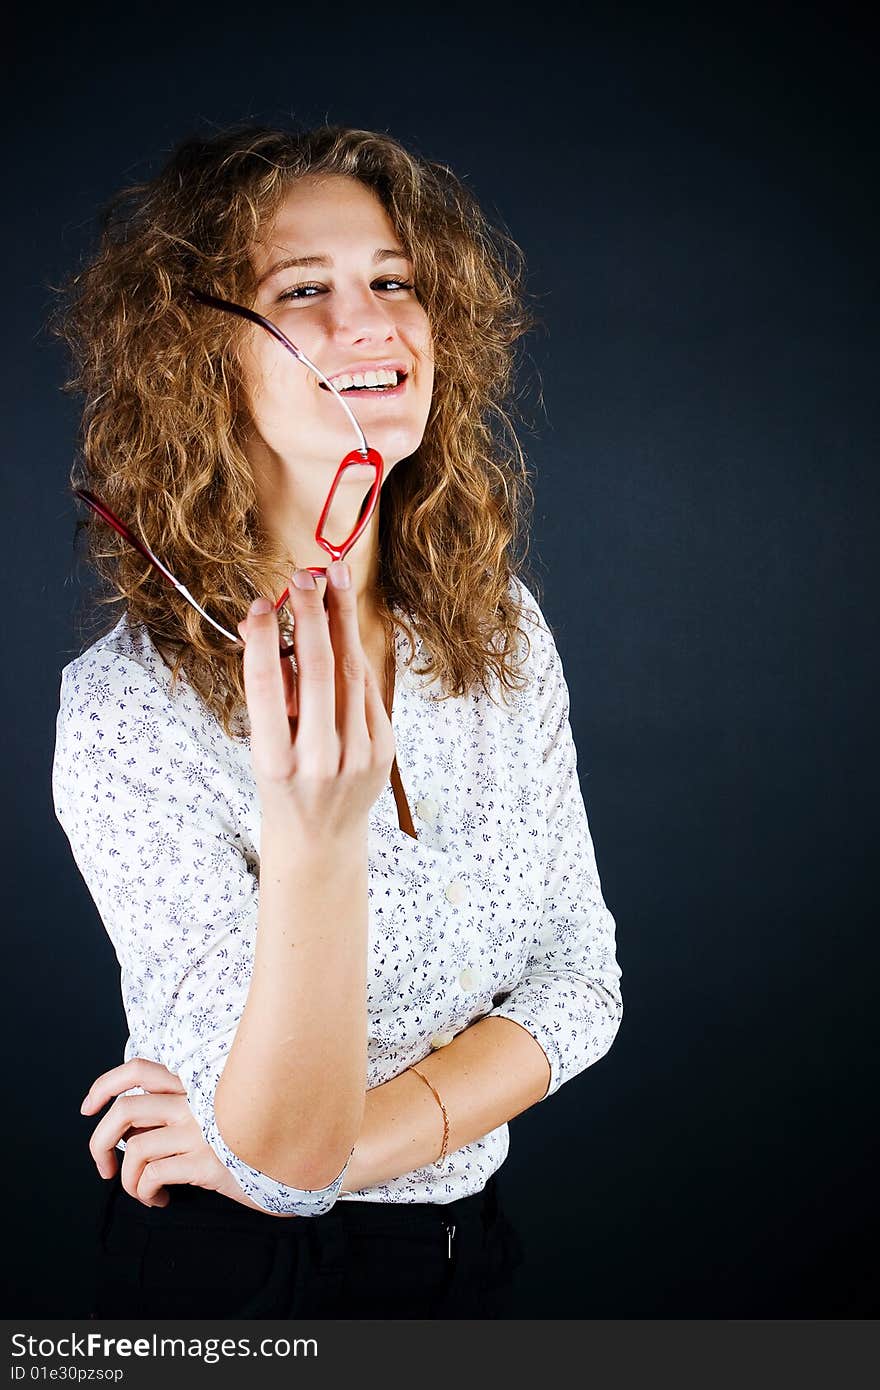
105	514
334	551
231	308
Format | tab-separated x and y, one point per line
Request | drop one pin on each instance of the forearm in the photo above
291	1097
488	1074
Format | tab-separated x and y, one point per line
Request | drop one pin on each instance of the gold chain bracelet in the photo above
439	1161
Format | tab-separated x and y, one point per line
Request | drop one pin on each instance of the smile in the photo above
365	392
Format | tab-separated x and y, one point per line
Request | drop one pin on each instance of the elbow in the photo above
317	1172
280	1177
275	1195
301	1203
603	1015
302	1173
275	1178
310	1163
595	1012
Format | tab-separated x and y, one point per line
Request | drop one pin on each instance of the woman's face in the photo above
355	311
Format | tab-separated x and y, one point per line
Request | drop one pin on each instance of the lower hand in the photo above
163	1140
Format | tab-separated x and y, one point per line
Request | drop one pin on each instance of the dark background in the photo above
695	193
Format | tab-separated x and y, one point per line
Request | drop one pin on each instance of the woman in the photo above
355	903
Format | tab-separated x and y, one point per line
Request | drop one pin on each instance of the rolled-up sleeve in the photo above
155	842
569	995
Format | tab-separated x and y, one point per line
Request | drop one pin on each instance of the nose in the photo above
359	316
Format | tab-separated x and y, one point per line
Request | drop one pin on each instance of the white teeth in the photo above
381	377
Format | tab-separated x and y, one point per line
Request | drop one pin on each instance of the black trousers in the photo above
206	1256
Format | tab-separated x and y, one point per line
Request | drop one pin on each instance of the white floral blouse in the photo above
496	909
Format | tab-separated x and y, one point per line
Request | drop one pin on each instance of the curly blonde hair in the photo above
164	415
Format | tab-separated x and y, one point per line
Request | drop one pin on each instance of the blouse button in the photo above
441	1039
468	980
426	809
455	891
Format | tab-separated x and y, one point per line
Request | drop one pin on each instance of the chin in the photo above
393	444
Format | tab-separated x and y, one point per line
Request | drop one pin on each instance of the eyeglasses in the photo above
362	456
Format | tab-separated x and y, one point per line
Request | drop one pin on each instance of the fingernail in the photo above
303	580
260	605
85	1103
340	574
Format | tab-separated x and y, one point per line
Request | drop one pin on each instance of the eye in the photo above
298	291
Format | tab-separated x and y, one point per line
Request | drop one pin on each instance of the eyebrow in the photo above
386	253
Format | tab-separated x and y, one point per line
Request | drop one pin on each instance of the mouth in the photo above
384	392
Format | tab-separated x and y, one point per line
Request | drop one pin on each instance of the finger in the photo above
139	1071
264	691
349	661
170	1169
315	679
146	1149
146	1112
287	672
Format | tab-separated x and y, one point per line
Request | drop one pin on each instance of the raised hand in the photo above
321	740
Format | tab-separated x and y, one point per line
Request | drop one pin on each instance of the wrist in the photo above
282	829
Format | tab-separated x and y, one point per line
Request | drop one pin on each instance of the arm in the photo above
563	1013
291	1096
156	843
569	995
490	1072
